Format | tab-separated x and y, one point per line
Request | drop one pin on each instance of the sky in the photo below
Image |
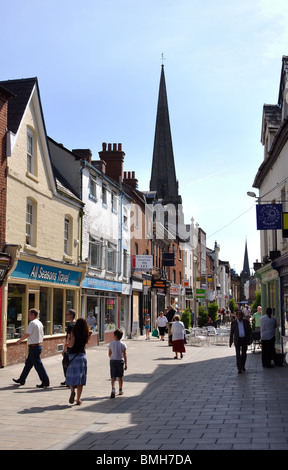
98	64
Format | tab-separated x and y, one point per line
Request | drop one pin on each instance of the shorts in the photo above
116	369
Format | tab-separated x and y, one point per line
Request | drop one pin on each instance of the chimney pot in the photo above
104	146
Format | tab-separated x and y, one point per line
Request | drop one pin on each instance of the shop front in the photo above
281	266
50	287
101	305
270	296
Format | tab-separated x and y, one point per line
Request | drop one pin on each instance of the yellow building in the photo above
43	230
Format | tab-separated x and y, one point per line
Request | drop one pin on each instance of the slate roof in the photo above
22	90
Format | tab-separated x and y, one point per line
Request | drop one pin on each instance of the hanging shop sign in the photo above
5	261
200	293
269	216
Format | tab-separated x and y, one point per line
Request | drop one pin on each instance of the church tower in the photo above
163	175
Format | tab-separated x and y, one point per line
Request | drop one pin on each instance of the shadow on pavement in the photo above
201	405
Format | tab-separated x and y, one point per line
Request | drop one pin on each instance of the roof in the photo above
22	90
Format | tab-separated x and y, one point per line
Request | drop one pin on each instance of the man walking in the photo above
241	336
267	331
34	334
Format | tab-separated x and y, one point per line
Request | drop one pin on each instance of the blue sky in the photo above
98	63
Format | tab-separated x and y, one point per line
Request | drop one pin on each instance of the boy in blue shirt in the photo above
118	361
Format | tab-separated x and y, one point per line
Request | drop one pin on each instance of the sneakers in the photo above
113	393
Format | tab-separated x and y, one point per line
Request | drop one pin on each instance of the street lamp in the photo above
251	194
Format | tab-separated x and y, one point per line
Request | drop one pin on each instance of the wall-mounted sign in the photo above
142	262
41	272
158	284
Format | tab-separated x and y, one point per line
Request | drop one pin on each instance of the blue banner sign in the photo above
269	216
41	272
101	284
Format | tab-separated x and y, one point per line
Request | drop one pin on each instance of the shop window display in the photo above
15	311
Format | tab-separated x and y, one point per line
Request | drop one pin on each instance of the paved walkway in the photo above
199	402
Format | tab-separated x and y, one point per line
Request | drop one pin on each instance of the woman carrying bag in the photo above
76	374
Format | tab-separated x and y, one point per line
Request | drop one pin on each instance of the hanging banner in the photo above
269	216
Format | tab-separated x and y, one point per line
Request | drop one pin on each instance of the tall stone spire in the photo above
163	175
246	270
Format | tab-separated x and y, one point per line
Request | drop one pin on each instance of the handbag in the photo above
155	333
66	361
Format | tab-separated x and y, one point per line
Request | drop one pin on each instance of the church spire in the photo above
246	270
163	175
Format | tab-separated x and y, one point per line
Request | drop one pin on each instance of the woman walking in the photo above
161	322
77	369
178	332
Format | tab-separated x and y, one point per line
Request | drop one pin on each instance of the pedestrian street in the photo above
199	402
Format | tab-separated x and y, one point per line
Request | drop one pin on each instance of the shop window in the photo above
110	313
15	311
45	309
70	301
58	311
93	313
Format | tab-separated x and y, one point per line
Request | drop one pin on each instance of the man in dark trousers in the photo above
241	336
34	335
170	315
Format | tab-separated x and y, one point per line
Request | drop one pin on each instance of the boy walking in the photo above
118	361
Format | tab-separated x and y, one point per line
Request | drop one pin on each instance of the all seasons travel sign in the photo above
41	272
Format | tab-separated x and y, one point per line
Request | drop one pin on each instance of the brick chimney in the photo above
113	156
100	165
85	154
129	178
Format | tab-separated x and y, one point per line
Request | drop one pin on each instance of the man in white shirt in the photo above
267	331
34	335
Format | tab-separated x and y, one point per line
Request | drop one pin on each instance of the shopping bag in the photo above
155	333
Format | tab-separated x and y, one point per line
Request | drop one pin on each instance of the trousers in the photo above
34	360
268	351
241	353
